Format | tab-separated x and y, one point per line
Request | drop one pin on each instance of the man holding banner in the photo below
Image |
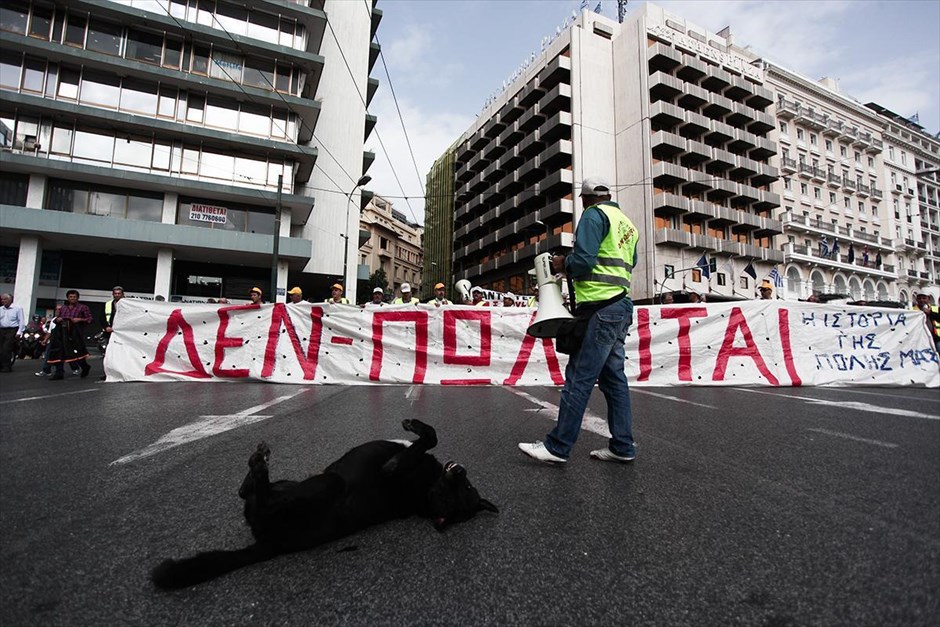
601	268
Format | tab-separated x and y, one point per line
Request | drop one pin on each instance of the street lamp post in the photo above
362	181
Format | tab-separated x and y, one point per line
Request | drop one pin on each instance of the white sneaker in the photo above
606	455
537	450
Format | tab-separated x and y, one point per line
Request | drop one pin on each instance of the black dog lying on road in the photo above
372	483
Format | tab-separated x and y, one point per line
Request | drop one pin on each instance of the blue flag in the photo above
703	266
597	9
750	271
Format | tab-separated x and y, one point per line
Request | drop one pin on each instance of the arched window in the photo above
794	282
882	291
869	290
838	285
819	282
855	289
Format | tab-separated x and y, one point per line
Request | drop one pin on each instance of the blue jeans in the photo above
599	360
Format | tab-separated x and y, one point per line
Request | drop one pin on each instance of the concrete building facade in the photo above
672	115
143	142
394	245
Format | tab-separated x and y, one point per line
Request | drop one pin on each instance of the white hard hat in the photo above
405	287
594	186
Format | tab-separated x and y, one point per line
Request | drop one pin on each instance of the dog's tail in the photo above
175	574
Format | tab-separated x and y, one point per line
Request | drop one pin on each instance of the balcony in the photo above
663	58
669	174
833	128
818	175
875	147
717	80
692	69
766	174
695	124
665	115
864	190
761	98
811	119
673	237
806	170
788	165
787	109
763	123
664	87
849	184
718	106
833	180
666	145
764	149
723	158
670	205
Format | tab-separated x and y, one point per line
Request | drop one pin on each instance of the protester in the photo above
254	295
378	299
336	295
110	308
477	300
695	297
812	298
933	317
406	298
295	295
667	298
68	336
439	297
12	322
766	290
605	251
509	299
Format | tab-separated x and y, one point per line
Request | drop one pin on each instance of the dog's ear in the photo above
486	506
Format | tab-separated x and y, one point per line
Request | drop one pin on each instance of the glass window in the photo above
102	203
252	171
140	97
62	196
221	114
232	18
146	47
195	108
259	73
93	146
52	80
262	223
190	163
167	105
68	84
204	15
144	208
41	23
10	65
13	188
200	60
178	8
217	166
236	219
283	78
279	124
255	120
133	152
34	75
75	31
287	32
173	53
13	17
100	89
62	140
161	156
104	38
264	27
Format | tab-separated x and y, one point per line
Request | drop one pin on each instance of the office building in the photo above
144	141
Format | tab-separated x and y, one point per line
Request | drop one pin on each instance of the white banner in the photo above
208	213
746	343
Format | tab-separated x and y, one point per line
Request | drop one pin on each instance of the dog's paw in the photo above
408	425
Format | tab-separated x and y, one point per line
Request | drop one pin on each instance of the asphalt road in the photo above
753	506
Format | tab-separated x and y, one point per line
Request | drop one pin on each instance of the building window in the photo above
799	133
146	47
104	38
13	18
812	139
75	197
828	145
696	276
783	128
721	278
842	151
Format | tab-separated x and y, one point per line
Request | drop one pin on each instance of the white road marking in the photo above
894	396
40	398
592	422
207	426
874	409
671	398
854	437
413	393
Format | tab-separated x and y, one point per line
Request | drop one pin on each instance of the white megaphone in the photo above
552	313
463	286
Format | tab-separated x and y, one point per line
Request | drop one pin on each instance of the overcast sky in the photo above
444	57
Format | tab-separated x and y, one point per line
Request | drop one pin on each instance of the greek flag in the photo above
776	278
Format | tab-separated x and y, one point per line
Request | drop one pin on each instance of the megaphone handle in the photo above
572	304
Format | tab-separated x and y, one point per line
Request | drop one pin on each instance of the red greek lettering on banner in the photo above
280	317
737	321
683	315
783	318
420	320
176	325
525	352
646	356
223	342
451	316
